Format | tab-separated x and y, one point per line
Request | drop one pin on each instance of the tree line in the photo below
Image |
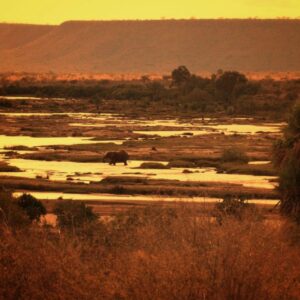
225	91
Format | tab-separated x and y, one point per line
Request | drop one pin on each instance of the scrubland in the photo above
157	252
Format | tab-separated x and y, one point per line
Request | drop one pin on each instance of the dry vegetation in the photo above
158	252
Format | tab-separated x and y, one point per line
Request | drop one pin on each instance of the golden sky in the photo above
58	11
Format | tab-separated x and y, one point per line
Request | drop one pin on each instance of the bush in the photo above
289	183
229	84
4	167
118	189
293	128
235	207
73	215
6	103
181	164
286	157
11	214
234	155
33	207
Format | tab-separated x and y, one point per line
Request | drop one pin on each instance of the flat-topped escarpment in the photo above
151	46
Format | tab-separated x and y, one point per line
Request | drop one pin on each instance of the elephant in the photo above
115	157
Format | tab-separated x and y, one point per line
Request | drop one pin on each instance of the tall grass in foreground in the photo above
156	252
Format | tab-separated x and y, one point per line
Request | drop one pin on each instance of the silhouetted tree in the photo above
228	84
180	75
97	101
156	90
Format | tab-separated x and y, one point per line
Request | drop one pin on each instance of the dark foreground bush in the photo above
12	216
33	207
153	253
73	215
237	208
286	157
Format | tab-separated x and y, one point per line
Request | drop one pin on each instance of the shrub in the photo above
234	155
229	84
118	189
6	103
289	183
4	167
33	207
235	207
286	157
11	214
181	164
293	128
73	215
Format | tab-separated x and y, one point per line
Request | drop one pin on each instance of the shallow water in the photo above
95	172
248	128
91	172
168	133
139	122
28	141
28	98
128	198
227	129
75	115
29	114
196	126
190	127
259	162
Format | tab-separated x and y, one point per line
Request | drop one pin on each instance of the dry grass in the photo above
153	253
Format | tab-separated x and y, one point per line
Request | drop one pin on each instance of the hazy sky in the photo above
58	11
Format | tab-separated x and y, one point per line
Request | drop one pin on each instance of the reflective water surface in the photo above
28	141
130	198
94	172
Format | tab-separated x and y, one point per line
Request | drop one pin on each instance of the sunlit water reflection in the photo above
227	129
28	141
194	125
95	172
130	198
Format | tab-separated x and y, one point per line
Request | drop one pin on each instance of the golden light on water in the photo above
58	11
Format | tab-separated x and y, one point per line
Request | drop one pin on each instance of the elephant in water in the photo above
115	157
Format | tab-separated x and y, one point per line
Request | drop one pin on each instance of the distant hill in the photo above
152	46
17	35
